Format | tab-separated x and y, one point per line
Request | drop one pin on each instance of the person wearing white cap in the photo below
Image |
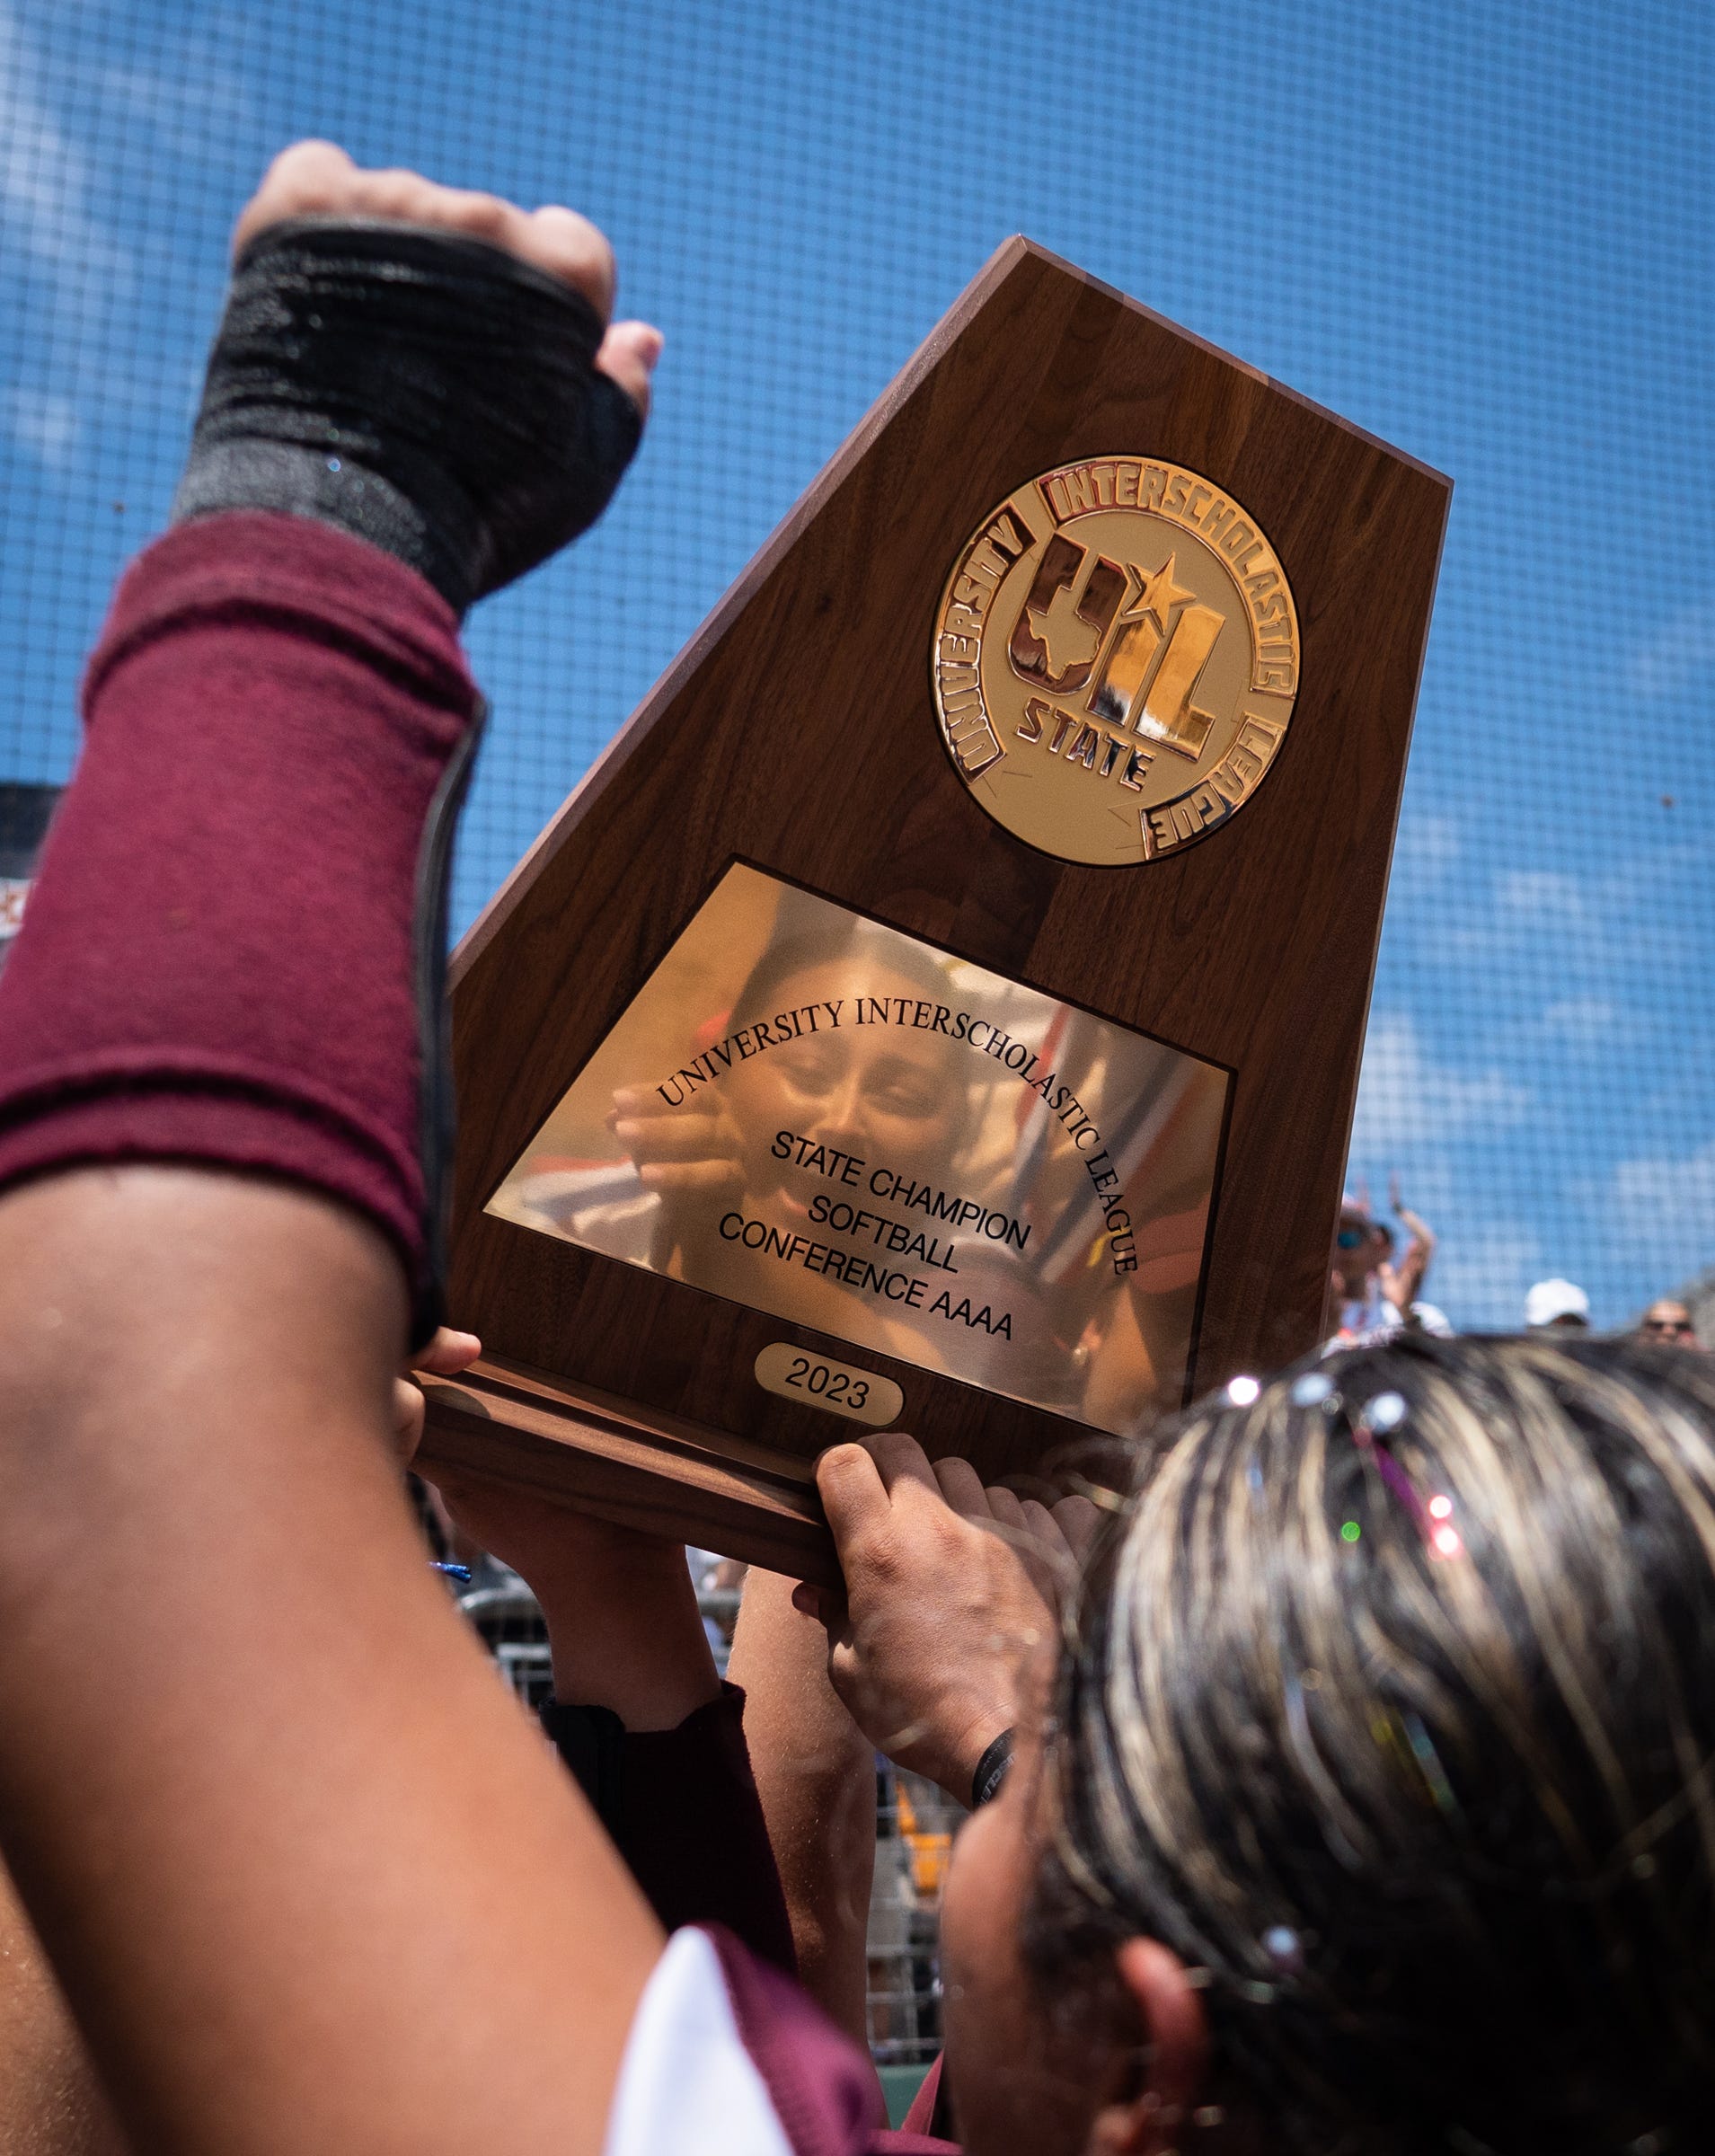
1557	1303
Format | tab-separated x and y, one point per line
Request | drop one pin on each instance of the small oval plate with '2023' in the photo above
814	1381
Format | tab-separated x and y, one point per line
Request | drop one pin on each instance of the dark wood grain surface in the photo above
797	732
660	1474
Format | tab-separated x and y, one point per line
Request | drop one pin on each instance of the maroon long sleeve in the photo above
682	1808
218	962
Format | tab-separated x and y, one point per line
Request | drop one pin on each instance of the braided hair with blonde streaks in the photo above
1389	1703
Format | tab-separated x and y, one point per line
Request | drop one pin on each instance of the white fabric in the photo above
687	2084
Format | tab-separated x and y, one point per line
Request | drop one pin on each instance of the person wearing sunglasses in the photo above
1668	1323
1363	1313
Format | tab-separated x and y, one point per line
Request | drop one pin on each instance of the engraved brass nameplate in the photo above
815	1380
1116	660
821	1117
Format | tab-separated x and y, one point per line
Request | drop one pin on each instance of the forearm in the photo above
816	1776
624	1630
307	1875
364	1967
51	2103
1417	1257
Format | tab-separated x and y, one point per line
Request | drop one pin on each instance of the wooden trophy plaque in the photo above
940	1008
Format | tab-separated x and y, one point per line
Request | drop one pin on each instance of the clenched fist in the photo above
318	180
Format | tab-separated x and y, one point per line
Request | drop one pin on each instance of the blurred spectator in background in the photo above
1559	1304
1668	1323
1427	1317
1402	1284
1364	1314
24	813
1372	1297
720	1581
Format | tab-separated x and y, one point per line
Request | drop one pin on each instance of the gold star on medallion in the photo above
1160	594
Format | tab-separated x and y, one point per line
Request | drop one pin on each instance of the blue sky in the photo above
1483	233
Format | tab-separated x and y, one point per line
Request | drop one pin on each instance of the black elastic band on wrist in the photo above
991	1770
420	389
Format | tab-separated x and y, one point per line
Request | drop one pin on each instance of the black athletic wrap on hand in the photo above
420	389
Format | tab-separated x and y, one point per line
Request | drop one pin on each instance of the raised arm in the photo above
638	1715
816	1775
308	1876
1402	1284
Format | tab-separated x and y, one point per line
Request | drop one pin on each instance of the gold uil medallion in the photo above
1116	660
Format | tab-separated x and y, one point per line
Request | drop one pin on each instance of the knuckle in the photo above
397	193
306	179
310	160
875	1556
571	248
897	1450
484	216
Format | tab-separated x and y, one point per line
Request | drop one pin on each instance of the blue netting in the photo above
1483	233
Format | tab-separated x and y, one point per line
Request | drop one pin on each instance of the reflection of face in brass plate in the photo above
1116	660
823	1119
